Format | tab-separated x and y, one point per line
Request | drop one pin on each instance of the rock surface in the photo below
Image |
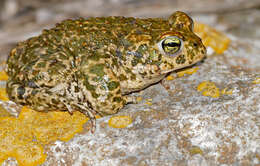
175	124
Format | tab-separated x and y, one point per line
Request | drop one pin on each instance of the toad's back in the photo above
58	49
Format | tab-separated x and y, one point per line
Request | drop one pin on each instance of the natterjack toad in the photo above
90	65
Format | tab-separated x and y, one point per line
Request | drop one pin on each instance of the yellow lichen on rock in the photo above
208	89
256	81
258	156
11	138
149	103
30	154
149	100
211	37
3	157
23	137
183	72
189	71
139	99
227	91
119	121
169	78
4	112
195	150
3	95
55	125
3	76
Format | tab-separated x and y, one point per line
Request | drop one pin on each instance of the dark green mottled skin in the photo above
91	64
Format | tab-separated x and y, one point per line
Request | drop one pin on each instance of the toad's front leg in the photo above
101	90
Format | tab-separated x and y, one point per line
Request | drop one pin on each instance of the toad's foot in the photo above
90	113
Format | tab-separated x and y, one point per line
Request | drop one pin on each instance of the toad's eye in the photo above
171	45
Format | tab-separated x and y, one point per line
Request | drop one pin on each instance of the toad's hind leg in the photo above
46	99
39	99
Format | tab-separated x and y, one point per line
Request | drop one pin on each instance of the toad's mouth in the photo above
185	66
